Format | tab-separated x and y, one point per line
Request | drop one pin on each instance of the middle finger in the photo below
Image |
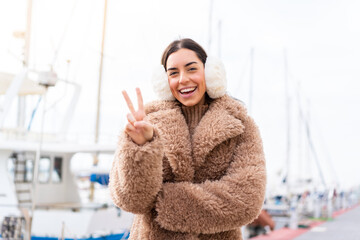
140	99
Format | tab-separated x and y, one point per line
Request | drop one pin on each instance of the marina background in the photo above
312	47
320	39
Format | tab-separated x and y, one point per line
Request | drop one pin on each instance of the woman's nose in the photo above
183	78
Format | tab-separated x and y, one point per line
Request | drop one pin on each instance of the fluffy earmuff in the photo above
160	84
215	78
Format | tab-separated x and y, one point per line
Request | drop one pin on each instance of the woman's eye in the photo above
172	73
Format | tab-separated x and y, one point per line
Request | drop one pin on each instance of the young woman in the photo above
190	166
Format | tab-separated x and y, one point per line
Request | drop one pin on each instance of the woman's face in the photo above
186	77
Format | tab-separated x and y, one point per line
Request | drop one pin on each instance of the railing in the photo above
16	134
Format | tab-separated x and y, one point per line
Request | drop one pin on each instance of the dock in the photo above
343	225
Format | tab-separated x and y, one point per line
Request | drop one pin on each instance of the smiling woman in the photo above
190	166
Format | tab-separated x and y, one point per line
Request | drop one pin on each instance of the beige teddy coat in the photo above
201	187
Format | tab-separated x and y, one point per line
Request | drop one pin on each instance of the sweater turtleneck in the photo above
193	115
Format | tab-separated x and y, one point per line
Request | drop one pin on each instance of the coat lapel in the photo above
184	155
216	126
177	147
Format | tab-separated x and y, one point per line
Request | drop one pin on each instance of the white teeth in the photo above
186	90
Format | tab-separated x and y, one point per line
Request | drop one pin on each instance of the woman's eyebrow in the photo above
174	68
188	64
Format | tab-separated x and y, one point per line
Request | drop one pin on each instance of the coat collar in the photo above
222	121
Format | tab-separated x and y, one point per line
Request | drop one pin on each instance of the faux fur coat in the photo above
194	188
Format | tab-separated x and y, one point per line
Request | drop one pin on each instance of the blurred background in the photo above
294	64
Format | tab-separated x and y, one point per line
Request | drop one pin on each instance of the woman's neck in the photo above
193	114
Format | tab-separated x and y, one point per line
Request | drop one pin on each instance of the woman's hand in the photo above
139	130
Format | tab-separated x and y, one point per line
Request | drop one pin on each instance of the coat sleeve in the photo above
215	206
136	174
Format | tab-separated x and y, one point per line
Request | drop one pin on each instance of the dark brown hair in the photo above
183	43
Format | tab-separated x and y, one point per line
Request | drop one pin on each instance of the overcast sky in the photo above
319	39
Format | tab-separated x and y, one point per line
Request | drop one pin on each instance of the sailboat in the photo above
297	198
39	193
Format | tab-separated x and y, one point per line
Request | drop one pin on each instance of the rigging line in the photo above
329	159
85	33
17	58
33	113
301	125
56	102
67	82
64	34
311	144
312	147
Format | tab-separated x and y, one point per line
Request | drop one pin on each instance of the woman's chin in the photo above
189	102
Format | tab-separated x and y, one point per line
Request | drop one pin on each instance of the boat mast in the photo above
301	175
288	126
27	35
98	108
251	84
21	99
21	118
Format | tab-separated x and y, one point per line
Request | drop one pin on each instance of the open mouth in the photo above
187	91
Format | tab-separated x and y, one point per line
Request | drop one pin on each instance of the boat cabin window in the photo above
57	170
44	169
29	170
11	167
21	167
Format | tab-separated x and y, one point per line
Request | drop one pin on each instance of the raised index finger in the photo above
128	102
140	99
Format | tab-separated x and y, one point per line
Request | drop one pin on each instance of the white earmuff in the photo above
215	77
160	84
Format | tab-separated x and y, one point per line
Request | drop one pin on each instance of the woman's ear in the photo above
215	77
160	84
